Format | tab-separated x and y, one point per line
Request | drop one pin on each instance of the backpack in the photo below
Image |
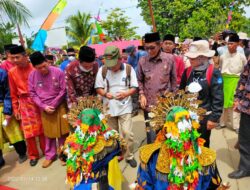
128	76
209	73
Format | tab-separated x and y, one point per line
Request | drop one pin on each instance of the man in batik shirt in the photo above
80	75
156	75
242	105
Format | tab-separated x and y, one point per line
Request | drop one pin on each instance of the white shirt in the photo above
116	85
232	64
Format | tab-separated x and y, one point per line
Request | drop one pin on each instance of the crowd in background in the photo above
37	90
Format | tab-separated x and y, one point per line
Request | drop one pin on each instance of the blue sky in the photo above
41	8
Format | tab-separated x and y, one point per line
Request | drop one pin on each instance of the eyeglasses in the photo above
147	48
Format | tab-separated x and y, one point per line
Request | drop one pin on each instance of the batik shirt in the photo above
78	82
243	90
156	76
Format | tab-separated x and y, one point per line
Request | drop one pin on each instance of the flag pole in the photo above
152	15
21	40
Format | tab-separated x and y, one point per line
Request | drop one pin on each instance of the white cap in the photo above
243	36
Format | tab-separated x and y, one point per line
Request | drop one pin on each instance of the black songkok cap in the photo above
169	37
7	47
197	38
49	57
70	50
233	38
37	58
141	48
227	33
17	50
152	37
86	54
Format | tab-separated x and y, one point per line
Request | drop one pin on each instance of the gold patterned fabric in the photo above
11	133
206	158
55	125
147	151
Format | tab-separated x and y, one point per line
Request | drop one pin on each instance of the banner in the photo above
100	48
41	36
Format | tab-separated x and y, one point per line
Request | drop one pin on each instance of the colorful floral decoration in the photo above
176	115
89	126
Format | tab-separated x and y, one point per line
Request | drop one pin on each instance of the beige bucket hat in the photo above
198	48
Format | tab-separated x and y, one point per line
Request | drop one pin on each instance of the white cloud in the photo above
41	8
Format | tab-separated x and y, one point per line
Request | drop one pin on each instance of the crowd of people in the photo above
36	94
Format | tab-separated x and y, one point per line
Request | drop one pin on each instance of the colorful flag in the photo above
92	34
230	13
99	31
41	36
115	177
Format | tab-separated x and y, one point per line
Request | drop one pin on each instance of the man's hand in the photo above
143	101
109	96
18	116
7	117
121	95
49	109
235	106
211	125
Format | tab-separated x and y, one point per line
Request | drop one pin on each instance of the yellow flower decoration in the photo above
180	115
195	124
84	128
172	128
104	121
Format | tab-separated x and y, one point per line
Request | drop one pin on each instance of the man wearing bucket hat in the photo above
116	82
204	79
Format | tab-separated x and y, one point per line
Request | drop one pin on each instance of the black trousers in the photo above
244	142
135	101
151	134
1	157
20	148
205	133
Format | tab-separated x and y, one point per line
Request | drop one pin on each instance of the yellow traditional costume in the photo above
92	148
177	159
9	130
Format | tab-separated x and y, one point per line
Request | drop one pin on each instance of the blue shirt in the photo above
5	93
133	60
64	64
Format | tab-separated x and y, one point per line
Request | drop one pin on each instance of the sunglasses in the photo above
147	48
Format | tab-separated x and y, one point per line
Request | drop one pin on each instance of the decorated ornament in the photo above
177	116
91	135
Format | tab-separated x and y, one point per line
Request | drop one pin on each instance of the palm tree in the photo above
7	34
79	28
14	11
